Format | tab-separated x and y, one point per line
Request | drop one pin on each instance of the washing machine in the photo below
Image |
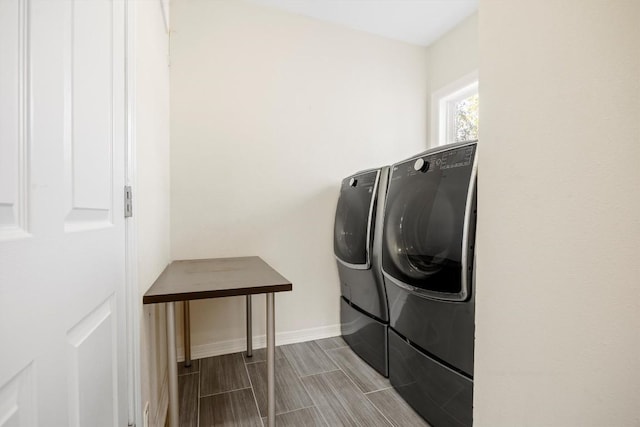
364	315
427	263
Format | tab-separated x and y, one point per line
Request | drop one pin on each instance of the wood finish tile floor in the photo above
318	383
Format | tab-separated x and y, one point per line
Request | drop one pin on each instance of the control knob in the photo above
421	165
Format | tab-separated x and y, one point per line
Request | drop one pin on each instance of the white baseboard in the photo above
233	346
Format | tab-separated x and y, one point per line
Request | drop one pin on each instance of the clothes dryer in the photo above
427	263
364	313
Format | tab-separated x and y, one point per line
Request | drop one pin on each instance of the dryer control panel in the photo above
455	158
365	181
436	162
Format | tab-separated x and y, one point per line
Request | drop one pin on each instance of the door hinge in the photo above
128	203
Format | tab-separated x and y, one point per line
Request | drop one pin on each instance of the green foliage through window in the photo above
466	118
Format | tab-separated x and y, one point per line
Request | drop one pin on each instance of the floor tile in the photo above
308	358
195	367
341	402
307	417
222	373
396	409
290	393
318	383
188	392
260	355
331	343
232	409
363	375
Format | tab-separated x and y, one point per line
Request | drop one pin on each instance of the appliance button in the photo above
421	165
353	182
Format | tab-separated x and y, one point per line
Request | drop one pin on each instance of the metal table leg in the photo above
271	356
186	335
249	333
173	364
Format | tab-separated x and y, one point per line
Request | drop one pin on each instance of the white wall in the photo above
151	196
558	292
269	111
455	54
451	57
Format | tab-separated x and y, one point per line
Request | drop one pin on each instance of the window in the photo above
454	111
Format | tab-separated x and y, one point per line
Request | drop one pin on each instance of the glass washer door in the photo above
354	216
424	223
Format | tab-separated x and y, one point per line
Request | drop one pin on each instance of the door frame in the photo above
135	415
134	309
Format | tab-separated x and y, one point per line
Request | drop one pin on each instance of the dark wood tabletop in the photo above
214	278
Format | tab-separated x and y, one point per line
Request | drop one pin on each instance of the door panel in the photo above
89	115
62	284
90	345
13	79
17	400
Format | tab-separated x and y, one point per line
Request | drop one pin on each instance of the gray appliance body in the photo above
427	263
364	314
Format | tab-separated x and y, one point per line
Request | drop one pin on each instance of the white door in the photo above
62	136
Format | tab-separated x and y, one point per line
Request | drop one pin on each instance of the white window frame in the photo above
443	103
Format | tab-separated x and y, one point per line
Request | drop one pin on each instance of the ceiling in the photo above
419	22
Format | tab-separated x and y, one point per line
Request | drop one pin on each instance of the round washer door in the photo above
352	234
424	223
